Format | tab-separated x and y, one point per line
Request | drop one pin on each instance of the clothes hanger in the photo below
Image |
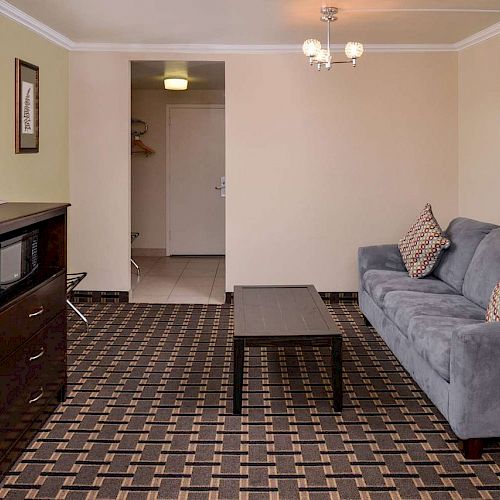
136	139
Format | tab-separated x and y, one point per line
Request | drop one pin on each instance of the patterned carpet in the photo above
148	415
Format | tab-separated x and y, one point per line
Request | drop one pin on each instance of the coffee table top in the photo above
274	311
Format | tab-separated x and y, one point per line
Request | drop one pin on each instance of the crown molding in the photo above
52	35
479	37
461	11
188	48
247	49
34	25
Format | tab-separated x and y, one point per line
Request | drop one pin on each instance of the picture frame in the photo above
27	107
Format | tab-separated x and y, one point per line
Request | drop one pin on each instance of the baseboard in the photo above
329	297
148	252
338	297
102	297
90	296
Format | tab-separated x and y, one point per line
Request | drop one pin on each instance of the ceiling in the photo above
202	75
262	22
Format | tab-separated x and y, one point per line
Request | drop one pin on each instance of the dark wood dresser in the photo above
32	328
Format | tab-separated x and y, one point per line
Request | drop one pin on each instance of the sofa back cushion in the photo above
484	270
465	236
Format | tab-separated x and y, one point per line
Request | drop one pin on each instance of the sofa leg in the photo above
365	319
473	448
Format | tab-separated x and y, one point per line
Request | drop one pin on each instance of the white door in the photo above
197	164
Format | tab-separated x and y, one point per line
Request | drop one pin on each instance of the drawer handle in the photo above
34	400
37	313
39	355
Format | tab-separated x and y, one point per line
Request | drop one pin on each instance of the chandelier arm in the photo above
328	37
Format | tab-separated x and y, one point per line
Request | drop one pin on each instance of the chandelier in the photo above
323	57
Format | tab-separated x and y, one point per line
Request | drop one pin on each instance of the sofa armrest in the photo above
474	405
381	257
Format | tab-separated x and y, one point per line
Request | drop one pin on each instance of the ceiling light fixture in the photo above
323	57
175	83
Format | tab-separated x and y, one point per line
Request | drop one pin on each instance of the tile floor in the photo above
179	280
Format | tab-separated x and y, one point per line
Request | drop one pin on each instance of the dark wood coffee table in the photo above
283	316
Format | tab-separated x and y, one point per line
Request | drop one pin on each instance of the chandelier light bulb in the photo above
323	56
353	50
311	47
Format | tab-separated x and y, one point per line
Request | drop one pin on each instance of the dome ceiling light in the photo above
175	83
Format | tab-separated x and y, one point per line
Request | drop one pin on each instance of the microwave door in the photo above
11	263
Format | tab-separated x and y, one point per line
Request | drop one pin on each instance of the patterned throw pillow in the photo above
421	247
493	312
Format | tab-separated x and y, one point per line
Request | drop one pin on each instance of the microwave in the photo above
18	259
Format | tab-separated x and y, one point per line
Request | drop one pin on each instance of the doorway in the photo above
178	191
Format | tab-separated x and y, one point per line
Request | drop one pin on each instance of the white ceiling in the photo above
261	22
202	75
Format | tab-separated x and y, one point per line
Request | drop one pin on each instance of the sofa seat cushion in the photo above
431	338
374	277
401	307
379	283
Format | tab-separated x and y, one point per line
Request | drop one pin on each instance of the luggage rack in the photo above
72	281
133	237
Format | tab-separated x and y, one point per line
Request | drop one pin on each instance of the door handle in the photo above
222	187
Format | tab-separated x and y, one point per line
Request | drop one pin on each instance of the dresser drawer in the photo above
27	315
29	378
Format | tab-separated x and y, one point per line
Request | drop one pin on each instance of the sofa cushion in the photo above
431	338
493	311
379	283
401	307
484	270
375	276
423	244
465	236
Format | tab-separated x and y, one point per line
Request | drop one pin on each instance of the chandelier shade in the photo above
311	47
354	50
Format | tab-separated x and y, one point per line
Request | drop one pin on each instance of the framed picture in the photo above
27	106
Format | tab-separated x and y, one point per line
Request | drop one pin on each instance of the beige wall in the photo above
149	174
479	126
317	163
42	176
321	163
99	139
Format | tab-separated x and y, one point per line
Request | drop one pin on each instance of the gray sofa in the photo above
436	326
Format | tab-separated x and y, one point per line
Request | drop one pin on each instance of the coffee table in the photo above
283	316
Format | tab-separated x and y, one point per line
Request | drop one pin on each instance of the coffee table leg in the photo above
238	362
337	372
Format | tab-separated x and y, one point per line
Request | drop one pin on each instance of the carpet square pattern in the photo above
149	415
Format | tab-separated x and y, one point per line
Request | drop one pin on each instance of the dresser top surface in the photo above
12	213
